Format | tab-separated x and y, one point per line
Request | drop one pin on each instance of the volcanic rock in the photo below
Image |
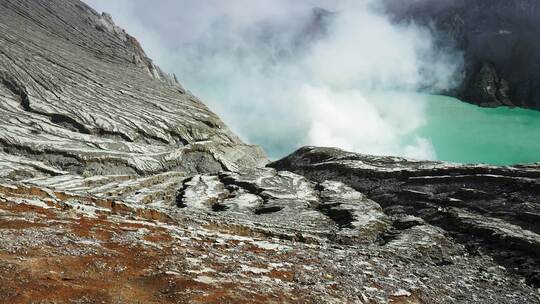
117	185
498	39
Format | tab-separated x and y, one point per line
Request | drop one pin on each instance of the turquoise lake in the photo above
457	131
466	133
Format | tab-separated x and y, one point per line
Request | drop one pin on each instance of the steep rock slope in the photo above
79	95
498	39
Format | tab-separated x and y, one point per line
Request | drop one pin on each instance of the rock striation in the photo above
490	210
117	185
78	93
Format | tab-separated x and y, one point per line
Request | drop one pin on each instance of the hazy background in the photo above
281	75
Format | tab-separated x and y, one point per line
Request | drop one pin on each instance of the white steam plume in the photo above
284	75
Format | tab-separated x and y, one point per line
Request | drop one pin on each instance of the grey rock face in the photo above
499	42
490	210
79	94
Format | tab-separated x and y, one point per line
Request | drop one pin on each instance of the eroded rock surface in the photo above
78	93
490	210
262	236
119	186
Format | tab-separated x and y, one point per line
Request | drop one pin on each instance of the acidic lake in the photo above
458	131
462	132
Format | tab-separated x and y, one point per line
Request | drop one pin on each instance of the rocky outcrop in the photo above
119	186
499	42
490	210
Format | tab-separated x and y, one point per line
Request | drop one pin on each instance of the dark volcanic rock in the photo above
492	210
499	39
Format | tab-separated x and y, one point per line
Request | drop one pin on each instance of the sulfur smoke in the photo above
286	73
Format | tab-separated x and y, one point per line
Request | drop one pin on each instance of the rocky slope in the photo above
79	94
498	39
491	210
119	186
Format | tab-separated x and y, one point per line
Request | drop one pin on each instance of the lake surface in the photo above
466	133
457	131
